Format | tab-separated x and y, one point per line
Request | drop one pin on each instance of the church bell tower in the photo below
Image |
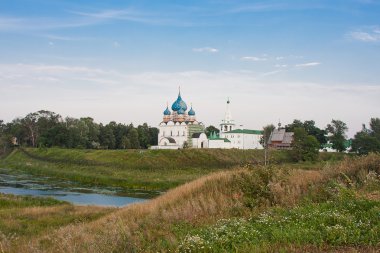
228	123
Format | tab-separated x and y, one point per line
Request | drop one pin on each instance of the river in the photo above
25	184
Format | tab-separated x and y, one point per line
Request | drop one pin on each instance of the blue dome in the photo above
167	111
191	112
181	111
176	106
179	104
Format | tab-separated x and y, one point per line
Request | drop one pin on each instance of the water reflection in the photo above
24	184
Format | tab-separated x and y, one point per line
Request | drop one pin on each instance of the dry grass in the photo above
151	226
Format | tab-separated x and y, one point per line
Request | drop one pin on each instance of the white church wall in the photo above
201	141
219	144
243	141
178	132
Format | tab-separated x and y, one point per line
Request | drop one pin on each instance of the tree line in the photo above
48	129
308	139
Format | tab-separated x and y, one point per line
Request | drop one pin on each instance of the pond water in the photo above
24	184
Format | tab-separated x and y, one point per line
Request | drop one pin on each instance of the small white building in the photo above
243	138
230	137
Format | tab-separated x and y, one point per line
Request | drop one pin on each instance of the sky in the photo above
123	61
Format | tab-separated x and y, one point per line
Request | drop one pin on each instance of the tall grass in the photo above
24	217
162	223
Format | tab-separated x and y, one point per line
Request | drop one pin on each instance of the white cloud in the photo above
371	34
112	95
281	65
278	58
308	64
206	49
63	38
253	58
128	14
363	36
42	23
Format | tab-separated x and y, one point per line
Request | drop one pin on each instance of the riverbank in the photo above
150	170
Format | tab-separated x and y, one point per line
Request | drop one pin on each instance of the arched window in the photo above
171	133
184	133
163	133
178	133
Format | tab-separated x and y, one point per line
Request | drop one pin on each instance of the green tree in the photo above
77	133
305	147
211	129
31	127
107	137
367	140
375	127
311	129
153	133
133	137
92	140
3	138
267	131
337	130
144	135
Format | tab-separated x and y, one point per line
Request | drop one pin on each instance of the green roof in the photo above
244	131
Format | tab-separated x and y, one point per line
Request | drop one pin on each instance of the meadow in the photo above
154	170
332	205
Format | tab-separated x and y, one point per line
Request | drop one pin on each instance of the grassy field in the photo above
157	170
24	218
329	207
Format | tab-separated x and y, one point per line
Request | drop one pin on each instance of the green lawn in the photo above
344	221
157	170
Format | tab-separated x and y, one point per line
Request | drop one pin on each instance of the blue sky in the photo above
123	60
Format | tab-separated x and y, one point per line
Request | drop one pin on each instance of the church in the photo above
181	129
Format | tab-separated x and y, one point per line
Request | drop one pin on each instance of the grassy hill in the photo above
157	170
328	207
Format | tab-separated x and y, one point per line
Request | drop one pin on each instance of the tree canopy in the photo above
310	128
211	129
305	146
367	140
48	129
337	134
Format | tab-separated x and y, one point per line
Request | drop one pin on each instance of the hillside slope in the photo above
200	216
157	170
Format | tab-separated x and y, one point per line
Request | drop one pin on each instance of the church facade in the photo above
180	129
